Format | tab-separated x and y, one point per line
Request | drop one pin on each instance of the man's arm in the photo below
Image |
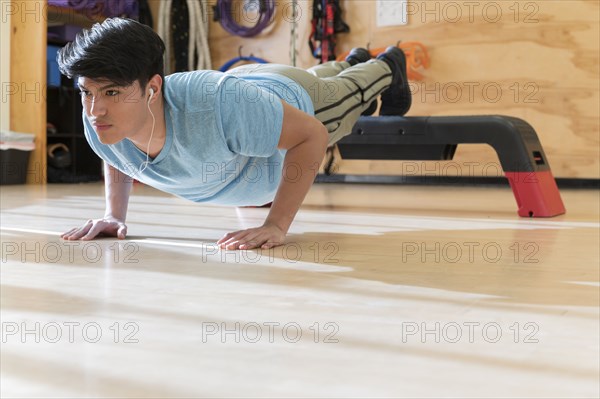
305	139
117	187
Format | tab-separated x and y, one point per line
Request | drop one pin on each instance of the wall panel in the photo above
536	60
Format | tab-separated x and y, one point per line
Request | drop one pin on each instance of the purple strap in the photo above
108	8
229	24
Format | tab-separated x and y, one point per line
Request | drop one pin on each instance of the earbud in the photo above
151	92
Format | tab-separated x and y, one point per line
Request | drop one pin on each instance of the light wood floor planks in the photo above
381	291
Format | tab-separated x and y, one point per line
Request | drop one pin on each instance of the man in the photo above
254	135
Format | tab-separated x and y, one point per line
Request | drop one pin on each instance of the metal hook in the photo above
240	52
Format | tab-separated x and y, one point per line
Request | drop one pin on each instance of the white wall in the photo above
4	64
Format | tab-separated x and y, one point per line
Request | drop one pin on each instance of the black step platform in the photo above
436	137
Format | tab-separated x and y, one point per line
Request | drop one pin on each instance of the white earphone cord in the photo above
144	164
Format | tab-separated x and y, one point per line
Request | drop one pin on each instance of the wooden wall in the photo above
537	60
4	67
26	89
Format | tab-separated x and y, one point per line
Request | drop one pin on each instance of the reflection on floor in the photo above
379	291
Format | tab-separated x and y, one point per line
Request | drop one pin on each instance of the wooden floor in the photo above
381	291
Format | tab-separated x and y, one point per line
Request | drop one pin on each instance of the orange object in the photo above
417	57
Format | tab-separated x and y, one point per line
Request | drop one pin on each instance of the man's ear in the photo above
155	83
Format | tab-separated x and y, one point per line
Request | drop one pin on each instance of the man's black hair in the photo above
118	50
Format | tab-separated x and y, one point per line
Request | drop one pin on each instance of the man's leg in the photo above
367	81
328	69
338	100
332	68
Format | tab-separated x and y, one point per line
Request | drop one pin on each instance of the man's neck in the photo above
145	137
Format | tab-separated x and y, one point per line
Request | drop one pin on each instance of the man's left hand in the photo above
264	237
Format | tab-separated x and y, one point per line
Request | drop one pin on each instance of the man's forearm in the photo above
300	167
117	189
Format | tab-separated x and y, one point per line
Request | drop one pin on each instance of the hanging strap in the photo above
326	23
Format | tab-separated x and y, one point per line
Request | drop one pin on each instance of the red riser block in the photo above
536	193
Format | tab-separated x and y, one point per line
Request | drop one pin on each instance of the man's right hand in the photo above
117	187
97	227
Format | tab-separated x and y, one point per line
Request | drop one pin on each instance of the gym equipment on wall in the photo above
181	21
225	10
241	58
120	8
326	23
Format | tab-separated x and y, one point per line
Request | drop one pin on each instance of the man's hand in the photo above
92	228
264	237
117	186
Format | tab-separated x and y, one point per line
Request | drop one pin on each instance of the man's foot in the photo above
397	99
358	55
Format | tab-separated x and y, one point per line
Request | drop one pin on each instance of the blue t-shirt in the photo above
221	139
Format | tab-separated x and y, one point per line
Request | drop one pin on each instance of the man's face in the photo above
115	112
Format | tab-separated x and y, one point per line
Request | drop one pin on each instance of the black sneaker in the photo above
397	99
358	55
